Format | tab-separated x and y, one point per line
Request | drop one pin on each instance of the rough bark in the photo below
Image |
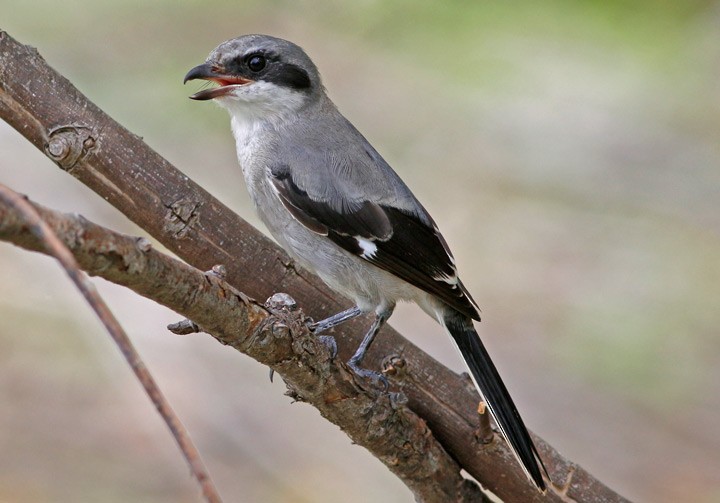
52	114
49	241
275	335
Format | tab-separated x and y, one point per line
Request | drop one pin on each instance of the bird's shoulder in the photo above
331	161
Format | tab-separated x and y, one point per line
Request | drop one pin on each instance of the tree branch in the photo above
117	165
53	246
276	336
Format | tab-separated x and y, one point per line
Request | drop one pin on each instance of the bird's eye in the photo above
256	62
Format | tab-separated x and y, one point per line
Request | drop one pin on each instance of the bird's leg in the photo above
335	320
354	362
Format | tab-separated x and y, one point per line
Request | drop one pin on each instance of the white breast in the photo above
248	140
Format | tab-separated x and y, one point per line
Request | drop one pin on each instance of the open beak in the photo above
213	73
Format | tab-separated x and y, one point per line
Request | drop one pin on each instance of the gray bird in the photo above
334	204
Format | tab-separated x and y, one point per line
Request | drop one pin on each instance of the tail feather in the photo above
488	382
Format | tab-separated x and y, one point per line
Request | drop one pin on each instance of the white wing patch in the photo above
369	249
451	280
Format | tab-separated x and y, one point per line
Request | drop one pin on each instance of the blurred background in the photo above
570	152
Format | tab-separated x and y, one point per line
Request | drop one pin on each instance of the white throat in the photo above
256	108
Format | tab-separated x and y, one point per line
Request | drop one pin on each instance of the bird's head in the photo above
258	75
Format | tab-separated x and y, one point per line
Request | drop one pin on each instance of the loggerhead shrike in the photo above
336	206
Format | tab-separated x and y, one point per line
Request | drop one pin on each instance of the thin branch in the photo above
82	140
53	246
276	336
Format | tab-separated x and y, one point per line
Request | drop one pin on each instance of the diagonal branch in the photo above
116	164
276	336
53	246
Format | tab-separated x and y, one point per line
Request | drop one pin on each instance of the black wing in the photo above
390	238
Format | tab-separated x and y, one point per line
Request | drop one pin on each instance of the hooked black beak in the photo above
204	71
213	73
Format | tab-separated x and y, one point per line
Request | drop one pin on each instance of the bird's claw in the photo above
376	378
329	342
316	327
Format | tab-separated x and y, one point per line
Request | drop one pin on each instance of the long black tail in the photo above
496	396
